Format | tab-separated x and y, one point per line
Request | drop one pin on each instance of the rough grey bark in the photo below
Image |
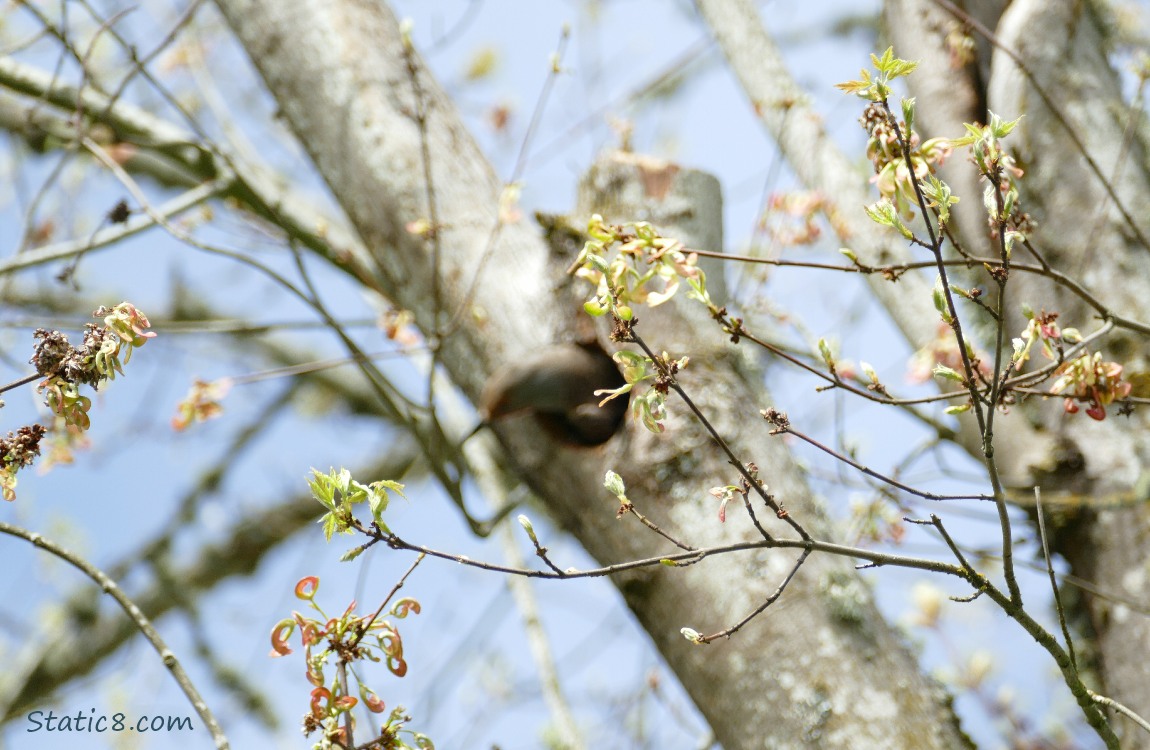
1082	232
801	135
825	670
1097	468
1097	472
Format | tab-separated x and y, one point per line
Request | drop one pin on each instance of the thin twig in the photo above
22	381
1053	581
1102	700
874	557
985	420
465	305
946	537
767	498
897	269
630	508
759	610
109	236
751	511
1051	106
112	589
550	683
872	473
394	589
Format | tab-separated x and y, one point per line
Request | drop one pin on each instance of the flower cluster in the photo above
347	639
1002	172
1043	329
18	450
884	149
792	218
65	368
943	351
641	258
202	403
623	262
126	322
890	143
1087	379
649	407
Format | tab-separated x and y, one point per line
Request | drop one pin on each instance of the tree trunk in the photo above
1096	469
1096	472
826	670
1083	232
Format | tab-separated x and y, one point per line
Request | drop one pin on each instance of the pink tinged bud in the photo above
307	587
280	635
405	606
310	635
373	702
320	695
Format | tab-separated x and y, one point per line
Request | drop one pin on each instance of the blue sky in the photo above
471	682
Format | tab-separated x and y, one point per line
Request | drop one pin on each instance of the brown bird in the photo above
558	385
